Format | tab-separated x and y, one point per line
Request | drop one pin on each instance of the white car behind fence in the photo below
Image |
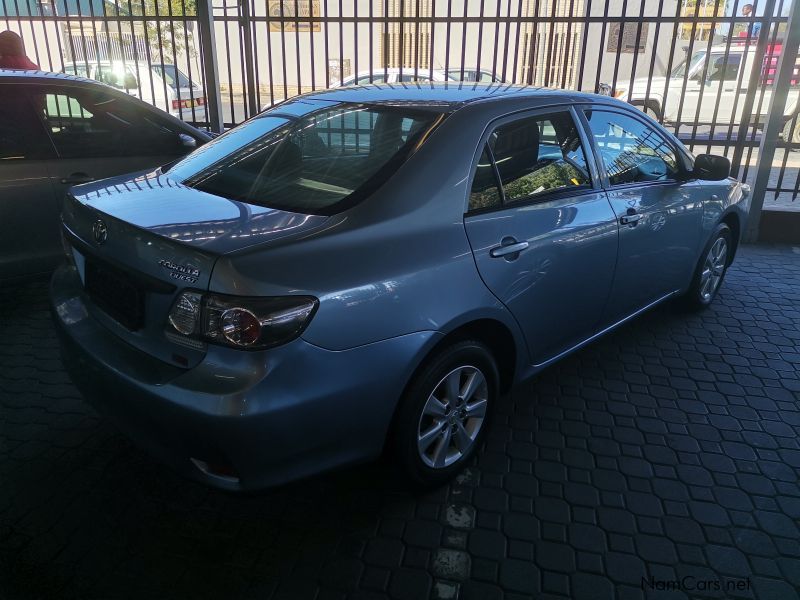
714	90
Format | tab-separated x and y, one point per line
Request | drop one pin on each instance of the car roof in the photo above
448	93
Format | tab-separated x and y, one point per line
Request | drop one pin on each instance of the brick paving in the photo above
668	451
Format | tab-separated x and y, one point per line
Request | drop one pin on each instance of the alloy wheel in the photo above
452	417
713	269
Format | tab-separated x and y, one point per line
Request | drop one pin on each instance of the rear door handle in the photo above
508	247
76	178
630	219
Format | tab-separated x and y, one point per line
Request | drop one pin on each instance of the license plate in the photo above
113	291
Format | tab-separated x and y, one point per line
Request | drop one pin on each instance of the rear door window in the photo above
85	123
22	136
539	155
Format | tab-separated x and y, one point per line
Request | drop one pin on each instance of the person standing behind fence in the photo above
12	52
753	28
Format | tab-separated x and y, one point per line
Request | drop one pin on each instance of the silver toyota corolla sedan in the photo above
368	268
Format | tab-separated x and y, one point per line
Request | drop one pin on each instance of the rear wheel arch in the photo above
492	333
732	220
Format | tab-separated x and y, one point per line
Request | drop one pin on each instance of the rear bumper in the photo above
267	417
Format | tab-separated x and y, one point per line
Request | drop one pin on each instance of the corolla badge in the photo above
99	232
186	273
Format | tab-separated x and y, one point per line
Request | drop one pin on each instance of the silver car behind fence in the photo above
368	268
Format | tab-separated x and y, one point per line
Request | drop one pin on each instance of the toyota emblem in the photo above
99	231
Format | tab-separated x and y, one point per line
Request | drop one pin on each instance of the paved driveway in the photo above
660	462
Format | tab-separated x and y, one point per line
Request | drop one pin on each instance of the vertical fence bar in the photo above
226	36
311	44
752	86
299	89
208	45
249	64
774	124
602	43
719	91
268	30
764	85
586	23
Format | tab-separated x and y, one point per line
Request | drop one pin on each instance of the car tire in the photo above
438	430
710	271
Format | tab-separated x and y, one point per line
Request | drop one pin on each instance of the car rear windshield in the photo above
173	76
320	163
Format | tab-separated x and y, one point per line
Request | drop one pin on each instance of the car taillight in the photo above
187	103
238	322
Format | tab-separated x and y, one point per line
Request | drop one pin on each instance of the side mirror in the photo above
710	167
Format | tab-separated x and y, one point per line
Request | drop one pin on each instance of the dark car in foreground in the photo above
367	269
56	131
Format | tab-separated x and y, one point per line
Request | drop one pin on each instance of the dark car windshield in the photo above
320	163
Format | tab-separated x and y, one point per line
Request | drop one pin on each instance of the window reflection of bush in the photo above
553	176
550	177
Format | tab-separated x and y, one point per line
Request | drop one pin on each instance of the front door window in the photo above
632	152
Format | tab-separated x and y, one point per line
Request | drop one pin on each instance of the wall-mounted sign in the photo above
290	14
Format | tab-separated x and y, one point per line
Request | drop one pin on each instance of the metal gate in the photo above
707	69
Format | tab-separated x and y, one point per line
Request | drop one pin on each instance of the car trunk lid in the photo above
139	242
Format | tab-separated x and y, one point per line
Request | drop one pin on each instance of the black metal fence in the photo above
705	68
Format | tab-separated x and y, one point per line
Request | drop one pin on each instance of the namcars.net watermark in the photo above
690	583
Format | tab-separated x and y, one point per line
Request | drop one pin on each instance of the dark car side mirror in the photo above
710	167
